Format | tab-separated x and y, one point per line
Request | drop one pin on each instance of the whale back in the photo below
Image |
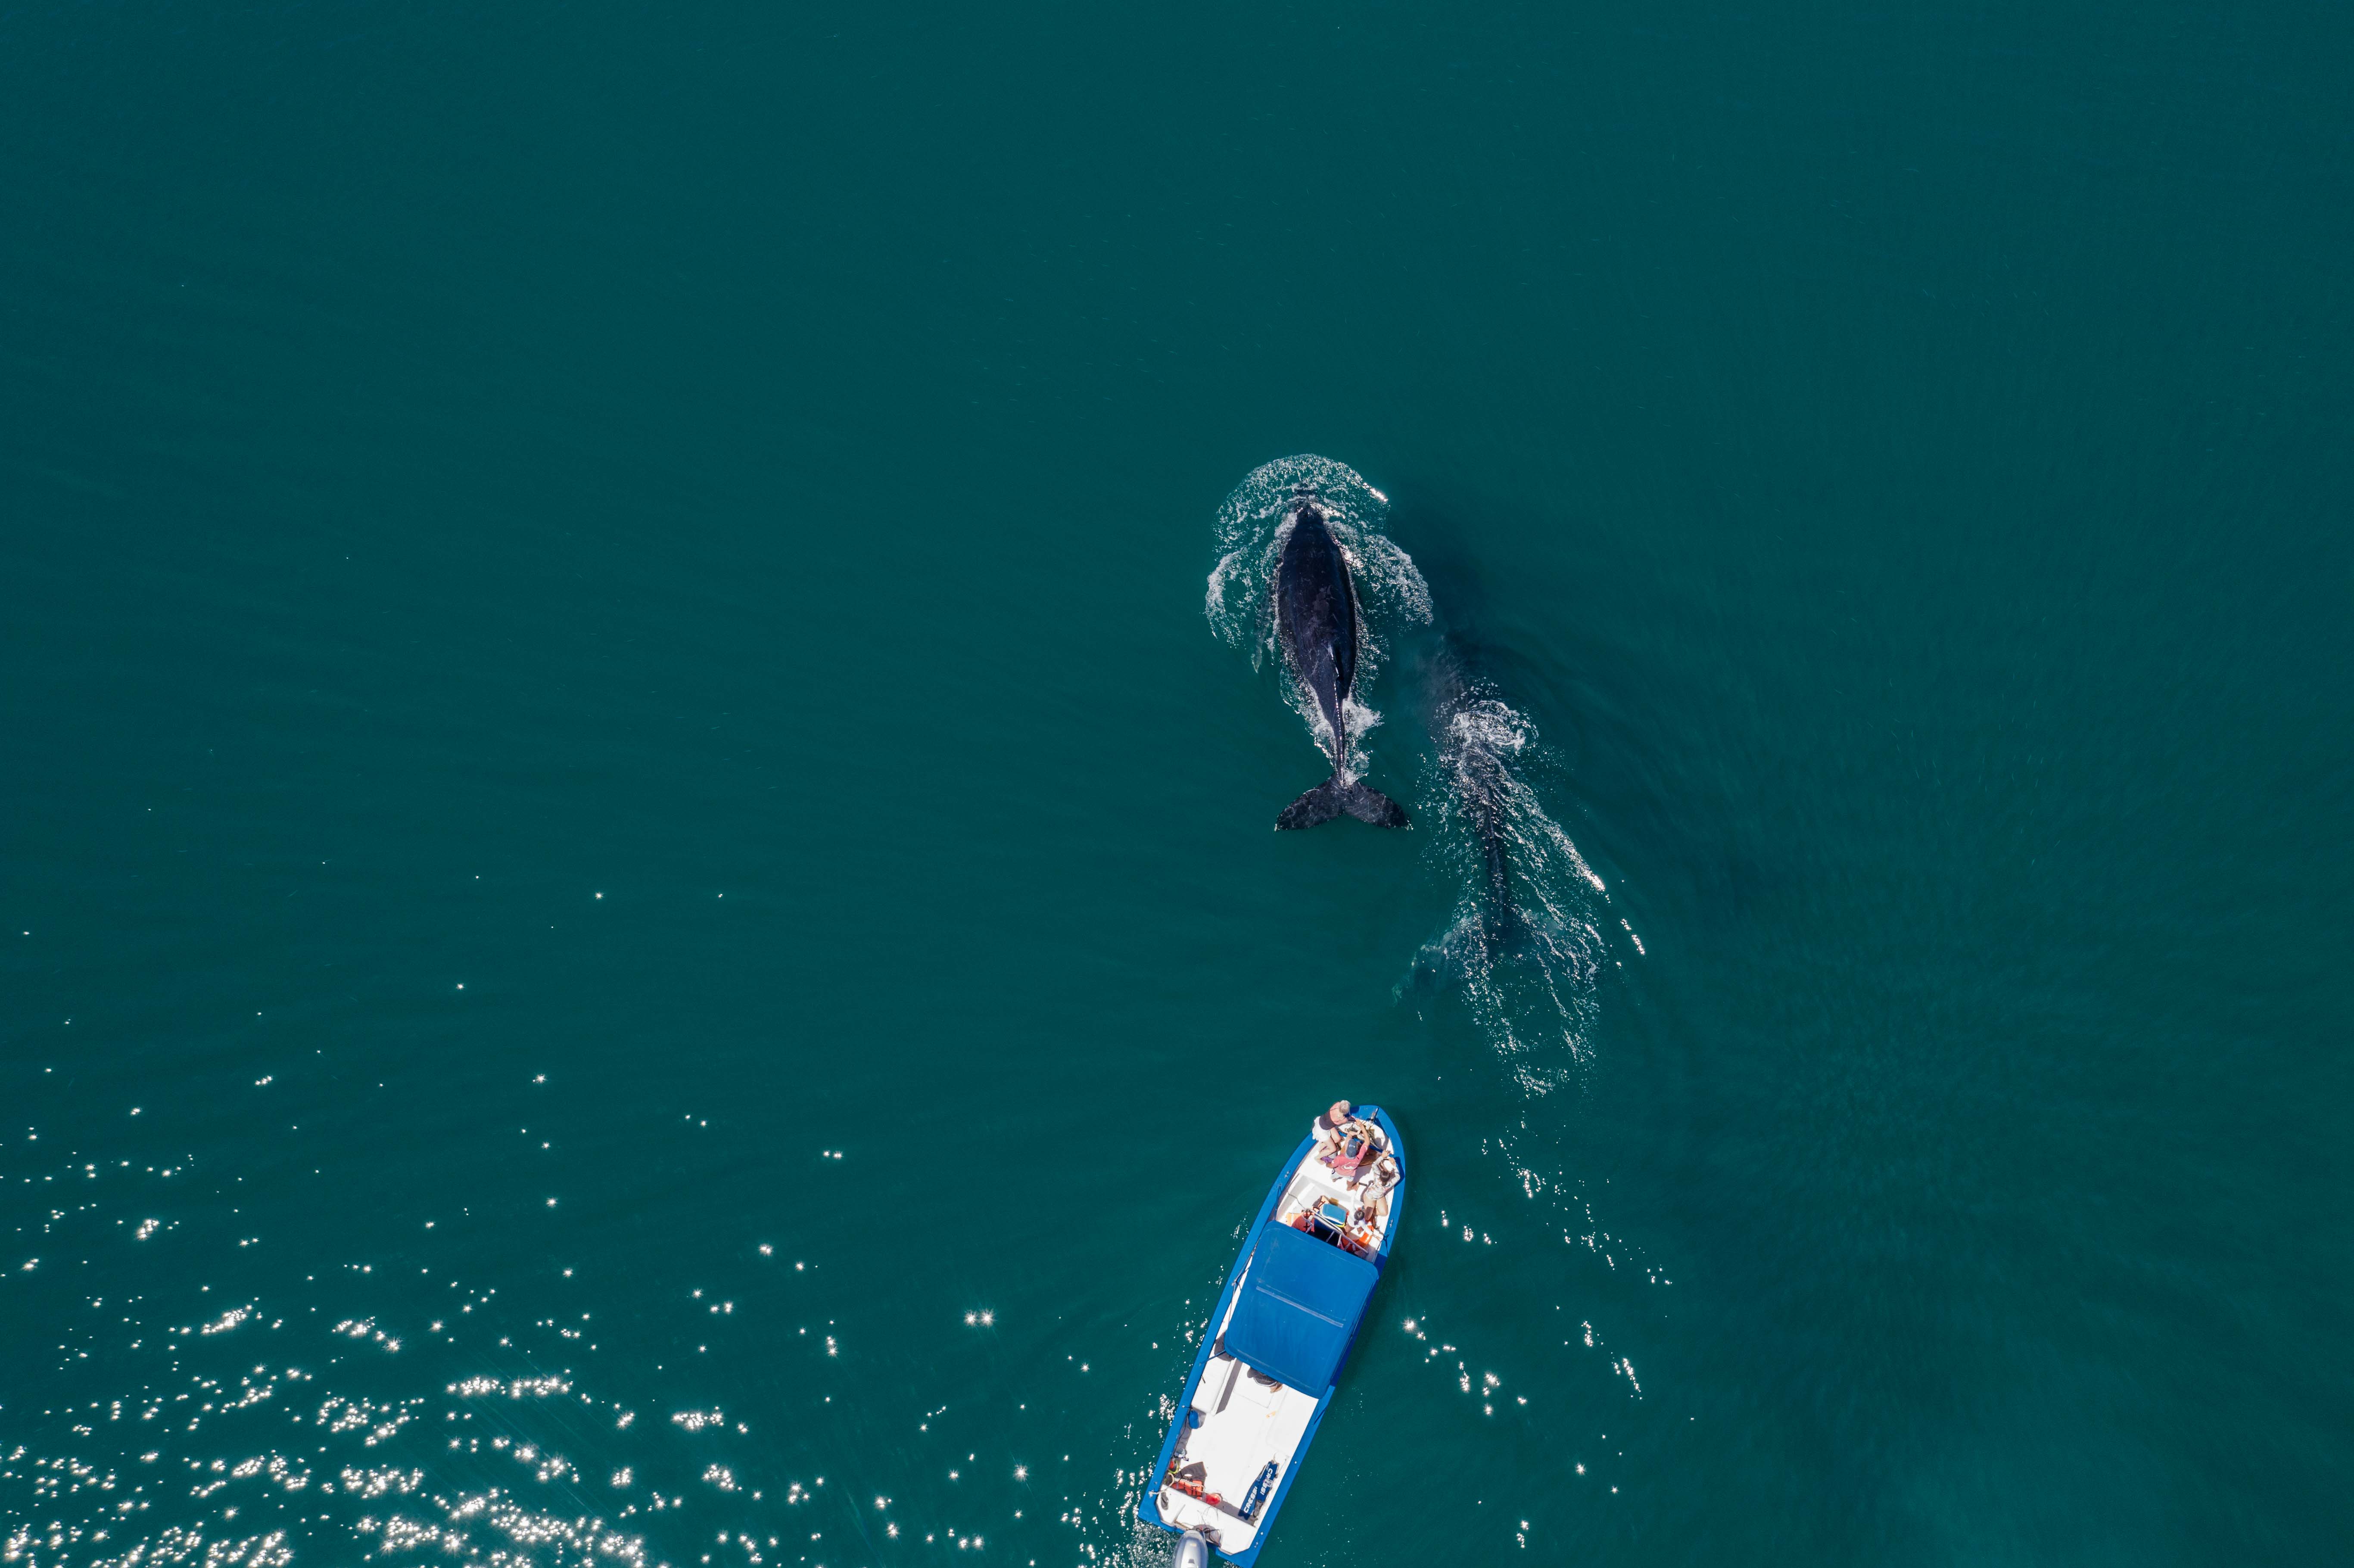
1479	782
1316	615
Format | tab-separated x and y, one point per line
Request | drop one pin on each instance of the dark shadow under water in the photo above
1522	944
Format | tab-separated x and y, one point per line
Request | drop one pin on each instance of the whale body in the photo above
1478	776
1474	737
1316	622
1467	731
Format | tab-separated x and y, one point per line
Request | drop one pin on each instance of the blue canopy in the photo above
1298	1308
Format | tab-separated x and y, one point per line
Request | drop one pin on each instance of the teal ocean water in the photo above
640	924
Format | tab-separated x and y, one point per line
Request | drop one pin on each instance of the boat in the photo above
1273	1347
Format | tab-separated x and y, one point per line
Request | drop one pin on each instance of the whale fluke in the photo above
1337	794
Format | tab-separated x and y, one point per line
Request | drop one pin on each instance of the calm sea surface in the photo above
640	918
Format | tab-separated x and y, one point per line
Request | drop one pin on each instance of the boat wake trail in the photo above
1390	595
1523	942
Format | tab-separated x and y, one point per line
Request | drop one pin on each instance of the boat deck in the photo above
1245	1427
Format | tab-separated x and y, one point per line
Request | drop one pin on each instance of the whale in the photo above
1478	776
1463	716
1316	623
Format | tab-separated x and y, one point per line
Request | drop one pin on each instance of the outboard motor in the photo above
1192	1552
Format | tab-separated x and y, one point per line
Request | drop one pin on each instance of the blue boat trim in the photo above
1149	1507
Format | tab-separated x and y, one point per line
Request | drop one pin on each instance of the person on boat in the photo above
1351	1141
1337	1125
1384	1177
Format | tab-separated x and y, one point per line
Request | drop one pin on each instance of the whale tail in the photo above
1337	794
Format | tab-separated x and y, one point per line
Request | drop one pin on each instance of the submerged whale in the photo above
1468	751
1476	737
1316	622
